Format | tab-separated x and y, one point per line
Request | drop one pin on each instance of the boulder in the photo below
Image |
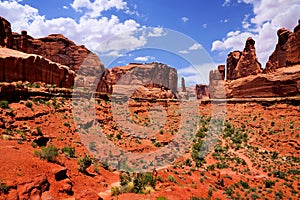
33	189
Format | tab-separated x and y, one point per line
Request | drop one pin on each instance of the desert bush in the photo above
48	153
172	179
4	188
196	153
269	183
115	191
143	180
4	104
28	104
68	151
245	185
84	163
161	198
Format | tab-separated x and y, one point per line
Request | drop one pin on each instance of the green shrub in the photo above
269	183
244	184
38	129
161	198
4	188
69	151
4	104
48	153
142	180
172	179
115	191
84	163
28	104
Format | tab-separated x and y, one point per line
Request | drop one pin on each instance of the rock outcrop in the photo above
287	51
139	74
54	47
282	83
5	33
202	91
216	83
242	64
18	66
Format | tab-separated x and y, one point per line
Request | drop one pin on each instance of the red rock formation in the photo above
202	91
5	33
54	47
282	83
216	83
139	74
242	64
287	51
16	66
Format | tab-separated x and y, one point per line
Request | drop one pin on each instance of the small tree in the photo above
84	163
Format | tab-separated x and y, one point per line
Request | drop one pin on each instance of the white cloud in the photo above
65	7
196	74
157	32
268	17
224	20
204	26
144	58
95	8
195	46
184	19
226	3
93	33
184	51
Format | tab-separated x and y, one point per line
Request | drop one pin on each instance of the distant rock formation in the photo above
159	74
18	66
242	64
287	51
202	91
216	83
183	88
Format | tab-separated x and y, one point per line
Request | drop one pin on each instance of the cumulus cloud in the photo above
95	8
195	47
196	74
157	32
144	58
95	33
268	17
184	19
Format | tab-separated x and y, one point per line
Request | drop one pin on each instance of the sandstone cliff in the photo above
242	64
16	66
159	74
284	82
287	51
54	47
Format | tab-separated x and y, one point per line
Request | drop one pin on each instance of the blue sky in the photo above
192	35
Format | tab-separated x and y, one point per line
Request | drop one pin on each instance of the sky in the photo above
194	36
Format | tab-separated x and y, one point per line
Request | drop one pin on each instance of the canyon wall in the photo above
19	66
